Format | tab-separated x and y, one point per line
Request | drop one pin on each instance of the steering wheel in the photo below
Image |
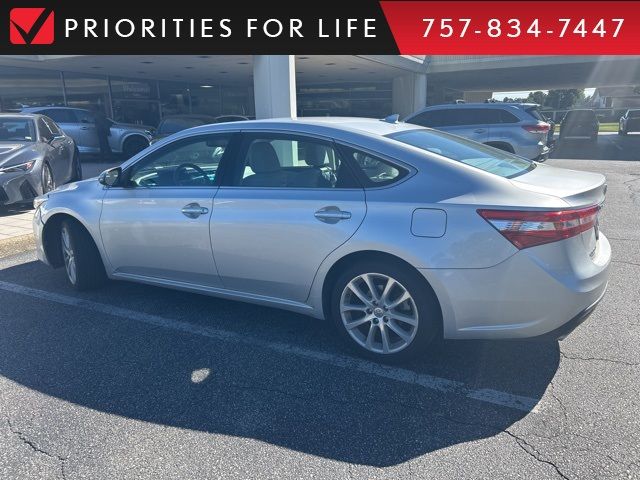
179	177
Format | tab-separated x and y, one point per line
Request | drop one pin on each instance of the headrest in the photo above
263	158
315	155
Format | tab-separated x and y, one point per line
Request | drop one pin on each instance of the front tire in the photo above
76	167
82	262
385	311
48	183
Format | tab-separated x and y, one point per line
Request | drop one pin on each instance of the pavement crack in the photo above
534	453
599	359
626	263
34	446
526	446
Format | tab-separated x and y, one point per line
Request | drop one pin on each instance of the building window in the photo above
26	87
89	92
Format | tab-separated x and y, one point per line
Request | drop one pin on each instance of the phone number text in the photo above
514	28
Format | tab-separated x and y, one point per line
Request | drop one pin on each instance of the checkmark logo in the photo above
31	26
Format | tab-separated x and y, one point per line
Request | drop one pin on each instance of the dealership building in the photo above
142	89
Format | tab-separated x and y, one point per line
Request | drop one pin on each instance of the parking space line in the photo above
430	382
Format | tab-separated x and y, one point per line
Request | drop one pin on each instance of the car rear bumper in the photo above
532	293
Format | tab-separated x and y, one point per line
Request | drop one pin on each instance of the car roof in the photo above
38	109
196	116
20	115
483	105
320	125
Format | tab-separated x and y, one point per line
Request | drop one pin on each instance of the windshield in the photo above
16	130
465	151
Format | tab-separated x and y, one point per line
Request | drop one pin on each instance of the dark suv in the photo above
514	127
580	125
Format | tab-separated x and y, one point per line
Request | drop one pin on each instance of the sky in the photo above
500	95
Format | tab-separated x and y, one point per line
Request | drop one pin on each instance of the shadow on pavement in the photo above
137	371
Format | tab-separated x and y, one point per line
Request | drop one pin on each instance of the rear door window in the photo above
507	117
60	115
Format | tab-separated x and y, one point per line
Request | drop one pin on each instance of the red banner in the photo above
515	28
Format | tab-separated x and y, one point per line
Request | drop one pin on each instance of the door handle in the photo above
84	128
193	210
331	215
480	130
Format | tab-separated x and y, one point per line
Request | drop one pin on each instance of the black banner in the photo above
48	28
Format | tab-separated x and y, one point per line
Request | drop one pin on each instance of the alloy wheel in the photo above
69	255
379	313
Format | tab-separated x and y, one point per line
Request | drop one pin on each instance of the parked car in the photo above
80	124
176	123
629	122
35	157
580	124
517	128
396	233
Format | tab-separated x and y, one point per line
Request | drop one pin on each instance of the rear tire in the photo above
134	145
621	131
365	319
82	261
501	146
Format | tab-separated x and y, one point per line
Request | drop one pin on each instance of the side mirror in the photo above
111	177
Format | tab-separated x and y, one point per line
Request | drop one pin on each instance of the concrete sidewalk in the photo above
15	221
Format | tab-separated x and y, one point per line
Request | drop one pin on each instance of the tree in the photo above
563	99
537	97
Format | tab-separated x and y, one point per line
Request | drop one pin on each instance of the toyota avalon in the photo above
396	233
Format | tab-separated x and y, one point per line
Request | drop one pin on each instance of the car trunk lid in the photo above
576	188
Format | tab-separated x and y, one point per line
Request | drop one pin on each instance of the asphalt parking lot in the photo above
139	382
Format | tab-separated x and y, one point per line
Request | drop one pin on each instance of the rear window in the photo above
634	113
580	115
60	116
535	113
465	151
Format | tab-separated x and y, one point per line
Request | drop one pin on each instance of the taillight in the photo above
527	229
538	128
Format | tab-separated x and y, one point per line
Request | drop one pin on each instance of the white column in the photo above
274	86
409	93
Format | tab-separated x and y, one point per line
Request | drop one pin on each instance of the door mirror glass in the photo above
110	177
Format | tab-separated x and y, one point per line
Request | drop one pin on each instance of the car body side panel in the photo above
82	201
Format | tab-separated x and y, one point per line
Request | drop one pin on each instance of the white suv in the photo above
514	127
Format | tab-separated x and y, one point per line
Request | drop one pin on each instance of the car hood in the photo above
574	187
12	151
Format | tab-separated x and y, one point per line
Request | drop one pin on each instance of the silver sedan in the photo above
400	235
35	156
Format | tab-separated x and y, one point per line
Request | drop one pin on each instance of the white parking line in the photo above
410	377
